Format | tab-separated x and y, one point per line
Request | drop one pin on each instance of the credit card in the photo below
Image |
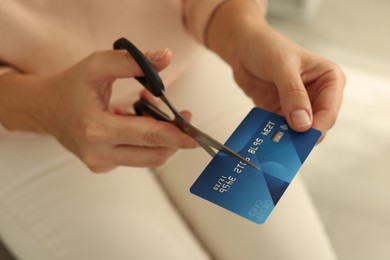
266	140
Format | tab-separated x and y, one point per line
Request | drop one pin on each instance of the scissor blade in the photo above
202	138
207	140
207	148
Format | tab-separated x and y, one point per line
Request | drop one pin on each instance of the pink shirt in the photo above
46	36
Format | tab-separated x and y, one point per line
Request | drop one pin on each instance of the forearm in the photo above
21	100
230	21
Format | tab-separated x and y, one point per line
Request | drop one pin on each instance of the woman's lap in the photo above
60	210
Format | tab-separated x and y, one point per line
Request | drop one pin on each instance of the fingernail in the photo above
158	55
300	118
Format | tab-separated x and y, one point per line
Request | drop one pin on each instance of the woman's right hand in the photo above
73	107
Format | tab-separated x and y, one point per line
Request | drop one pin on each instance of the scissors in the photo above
153	83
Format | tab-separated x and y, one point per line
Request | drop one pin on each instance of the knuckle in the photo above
332	121
339	74
335	73
94	132
153	137
295	89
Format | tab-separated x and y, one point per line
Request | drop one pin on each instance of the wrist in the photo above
232	23
21	101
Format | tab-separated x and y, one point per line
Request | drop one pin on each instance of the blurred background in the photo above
348	175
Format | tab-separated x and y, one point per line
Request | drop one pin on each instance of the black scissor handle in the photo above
143	107
151	81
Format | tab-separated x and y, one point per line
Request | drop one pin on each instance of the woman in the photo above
57	79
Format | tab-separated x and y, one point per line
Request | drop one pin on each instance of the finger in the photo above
160	59
327	108
114	64
137	156
325	114
144	131
102	169
145	94
122	111
187	114
133	156
294	99
330	86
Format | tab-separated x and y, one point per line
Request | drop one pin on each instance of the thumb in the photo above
294	100
115	64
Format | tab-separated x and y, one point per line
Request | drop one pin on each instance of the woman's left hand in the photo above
282	77
277	74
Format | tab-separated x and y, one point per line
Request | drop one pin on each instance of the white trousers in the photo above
52	207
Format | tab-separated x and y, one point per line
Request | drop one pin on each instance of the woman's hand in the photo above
73	107
283	77
276	73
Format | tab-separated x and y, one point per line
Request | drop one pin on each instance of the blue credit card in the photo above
266	140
